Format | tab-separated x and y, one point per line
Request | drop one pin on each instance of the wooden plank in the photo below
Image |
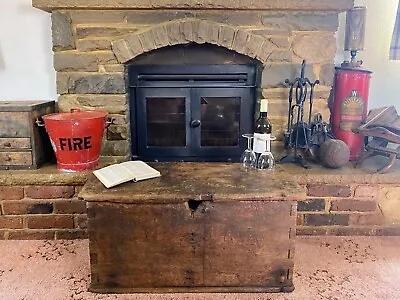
231	238
325	5
14	124
15	143
18	105
248	243
189	289
220	246
198	181
133	276
145	245
15	158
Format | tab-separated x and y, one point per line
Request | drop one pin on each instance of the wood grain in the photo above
14	124
248	243
23	144
204	227
220	246
145	245
16	158
15	143
199	181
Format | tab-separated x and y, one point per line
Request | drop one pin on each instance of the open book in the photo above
130	170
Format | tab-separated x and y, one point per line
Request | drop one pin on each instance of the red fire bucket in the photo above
76	138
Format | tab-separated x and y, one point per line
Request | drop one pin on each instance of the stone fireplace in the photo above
95	42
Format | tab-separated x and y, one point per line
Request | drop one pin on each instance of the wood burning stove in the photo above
191	112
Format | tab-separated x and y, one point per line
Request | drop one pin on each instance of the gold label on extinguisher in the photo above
351	112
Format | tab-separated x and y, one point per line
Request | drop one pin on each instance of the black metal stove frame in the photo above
212	106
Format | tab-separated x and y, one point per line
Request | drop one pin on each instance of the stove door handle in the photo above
195	123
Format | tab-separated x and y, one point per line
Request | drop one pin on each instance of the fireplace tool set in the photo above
302	138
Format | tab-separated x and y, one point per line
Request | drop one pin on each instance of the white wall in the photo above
385	80
26	70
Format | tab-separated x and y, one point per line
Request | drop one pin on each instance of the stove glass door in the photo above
164	115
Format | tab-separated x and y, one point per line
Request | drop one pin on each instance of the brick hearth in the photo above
44	203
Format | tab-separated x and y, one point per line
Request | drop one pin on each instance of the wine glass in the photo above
248	158
266	160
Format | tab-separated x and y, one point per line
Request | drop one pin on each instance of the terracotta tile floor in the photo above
326	268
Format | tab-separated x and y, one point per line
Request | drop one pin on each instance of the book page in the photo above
113	175
140	170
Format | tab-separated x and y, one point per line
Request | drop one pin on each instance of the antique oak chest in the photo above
200	227
23	145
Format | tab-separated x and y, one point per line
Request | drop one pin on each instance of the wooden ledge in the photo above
49	175
215	182
305	5
46	175
347	174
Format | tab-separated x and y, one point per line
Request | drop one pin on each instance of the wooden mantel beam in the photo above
307	5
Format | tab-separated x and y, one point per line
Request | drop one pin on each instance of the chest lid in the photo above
24	105
183	181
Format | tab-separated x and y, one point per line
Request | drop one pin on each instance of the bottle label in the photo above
262	142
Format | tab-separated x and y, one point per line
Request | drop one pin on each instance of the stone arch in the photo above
184	31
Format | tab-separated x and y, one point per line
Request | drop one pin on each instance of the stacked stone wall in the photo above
92	48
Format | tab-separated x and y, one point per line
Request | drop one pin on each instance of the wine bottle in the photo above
262	130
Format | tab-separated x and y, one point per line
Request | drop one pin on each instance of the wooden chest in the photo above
23	145
200	227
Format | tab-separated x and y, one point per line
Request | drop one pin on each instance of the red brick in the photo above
388	231
81	221
307	230
26	207
353	205
15	207
366	219
31	235
41	208
352	231
49	191
366	191
2	234
325	219
50	222
11	192
70	207
71	234
10	222
311	205
326	190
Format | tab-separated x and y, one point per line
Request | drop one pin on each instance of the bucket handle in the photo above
39	122
109	123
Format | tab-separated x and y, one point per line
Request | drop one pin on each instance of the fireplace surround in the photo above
191	103
95	41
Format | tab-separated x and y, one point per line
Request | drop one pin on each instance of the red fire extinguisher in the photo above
350	106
